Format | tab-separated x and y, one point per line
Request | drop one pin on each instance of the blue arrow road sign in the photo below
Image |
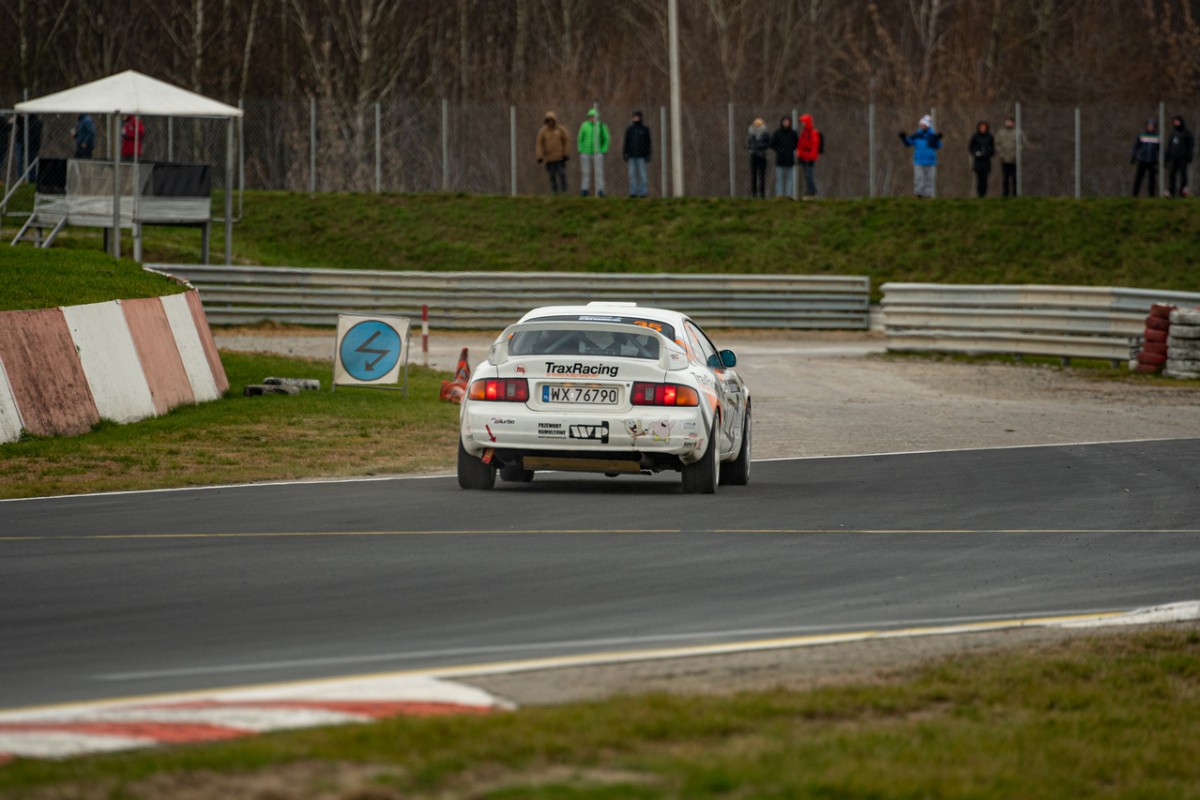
370	350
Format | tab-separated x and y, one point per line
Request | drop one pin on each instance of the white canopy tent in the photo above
131	92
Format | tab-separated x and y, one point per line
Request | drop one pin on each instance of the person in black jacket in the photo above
982	147
636	153
1180	147
1145	155
783	142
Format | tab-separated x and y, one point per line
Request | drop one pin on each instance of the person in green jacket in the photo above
592	144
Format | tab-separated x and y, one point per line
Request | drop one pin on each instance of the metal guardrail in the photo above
1064	321
488	300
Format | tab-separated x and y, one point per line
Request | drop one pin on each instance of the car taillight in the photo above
664	394
504	390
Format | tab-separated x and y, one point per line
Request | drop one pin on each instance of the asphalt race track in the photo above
127	594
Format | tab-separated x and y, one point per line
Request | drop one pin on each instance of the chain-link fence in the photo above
435	146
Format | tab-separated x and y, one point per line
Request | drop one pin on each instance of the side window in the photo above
700	343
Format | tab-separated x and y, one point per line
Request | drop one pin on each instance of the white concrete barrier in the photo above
191	350
110	361
10	415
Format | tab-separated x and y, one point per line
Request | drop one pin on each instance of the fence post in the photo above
171	138
732	177
512	135
1162	151
933	118
445	145
795	165
1079	155
871	156
662	138
241	123
312	145
1017	120
378	149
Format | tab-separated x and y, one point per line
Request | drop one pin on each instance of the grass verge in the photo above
49	278
247	439
1098	716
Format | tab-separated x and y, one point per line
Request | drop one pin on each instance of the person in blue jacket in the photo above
925	144
85	136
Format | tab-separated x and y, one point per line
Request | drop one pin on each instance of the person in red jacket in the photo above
133	135
808	150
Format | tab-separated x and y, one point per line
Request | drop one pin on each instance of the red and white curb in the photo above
63	731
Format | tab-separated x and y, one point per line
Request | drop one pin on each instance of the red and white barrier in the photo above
64	369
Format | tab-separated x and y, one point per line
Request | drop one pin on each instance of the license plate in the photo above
592	395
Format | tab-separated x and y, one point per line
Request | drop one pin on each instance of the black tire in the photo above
737	472
703	476
473	473
515	473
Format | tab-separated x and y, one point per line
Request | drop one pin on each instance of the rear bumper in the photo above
644	431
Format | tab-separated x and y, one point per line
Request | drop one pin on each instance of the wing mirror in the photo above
723	360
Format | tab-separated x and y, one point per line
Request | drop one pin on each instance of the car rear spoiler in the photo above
671	355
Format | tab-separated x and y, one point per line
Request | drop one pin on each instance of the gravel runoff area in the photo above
835	393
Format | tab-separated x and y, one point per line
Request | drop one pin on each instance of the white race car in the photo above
607	387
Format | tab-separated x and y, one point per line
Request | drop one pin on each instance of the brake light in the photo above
504	390
664	394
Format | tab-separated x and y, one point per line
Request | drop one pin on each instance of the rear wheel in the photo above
737	472
702	477
473	473
515	473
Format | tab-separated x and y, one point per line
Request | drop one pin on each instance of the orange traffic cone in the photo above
455	390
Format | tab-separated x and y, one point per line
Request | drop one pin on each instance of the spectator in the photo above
810	145
553	148
1145	156
925	144
592	144
784	141
982	147
1007	139
1180	147
758	142
133	137
85	136
636	153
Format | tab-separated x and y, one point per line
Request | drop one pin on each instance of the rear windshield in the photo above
584	343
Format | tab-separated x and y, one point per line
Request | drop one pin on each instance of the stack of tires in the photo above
1153	355
1183	344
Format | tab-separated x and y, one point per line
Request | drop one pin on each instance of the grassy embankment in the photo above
1101	242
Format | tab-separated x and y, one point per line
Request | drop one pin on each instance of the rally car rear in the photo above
589	396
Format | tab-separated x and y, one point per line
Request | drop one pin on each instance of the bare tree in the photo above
1176	36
